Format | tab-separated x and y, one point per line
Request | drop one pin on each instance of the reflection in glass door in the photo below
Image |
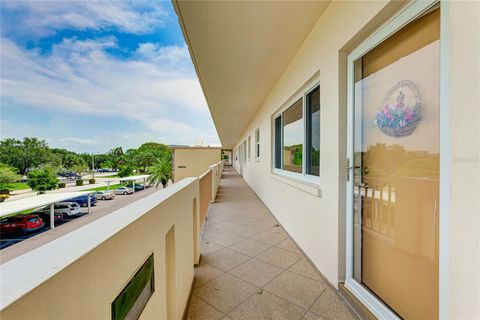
396	180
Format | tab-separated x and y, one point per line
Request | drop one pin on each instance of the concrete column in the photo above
89	202
52	216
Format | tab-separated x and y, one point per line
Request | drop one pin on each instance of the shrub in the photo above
79	182
42	179
7	175
62	185
91	181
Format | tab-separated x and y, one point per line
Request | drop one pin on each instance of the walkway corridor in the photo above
251	269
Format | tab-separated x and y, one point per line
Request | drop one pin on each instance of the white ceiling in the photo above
240	49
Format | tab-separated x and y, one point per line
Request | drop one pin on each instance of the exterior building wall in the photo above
87	287
462	77
315	215
311	214
192	162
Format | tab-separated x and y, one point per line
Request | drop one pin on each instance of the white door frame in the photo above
407	14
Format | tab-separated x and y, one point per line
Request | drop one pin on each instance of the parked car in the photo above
21	224
138	187
66	209
83	200
123	190
45	216
70	175
104	195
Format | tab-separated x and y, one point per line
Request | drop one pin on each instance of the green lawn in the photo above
112	187
15	186
112	176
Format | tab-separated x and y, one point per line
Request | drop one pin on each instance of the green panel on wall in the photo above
133	298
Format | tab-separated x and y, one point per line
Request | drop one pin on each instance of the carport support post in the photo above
133	186
144	183
52	220
89	202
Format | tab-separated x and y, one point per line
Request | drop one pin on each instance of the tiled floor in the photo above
251	269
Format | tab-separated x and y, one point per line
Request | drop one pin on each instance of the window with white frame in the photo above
257	143
297	135
249	148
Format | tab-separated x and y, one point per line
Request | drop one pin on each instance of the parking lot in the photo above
45	234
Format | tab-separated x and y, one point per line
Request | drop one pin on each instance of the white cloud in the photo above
77	140
44	18
157	87
163	54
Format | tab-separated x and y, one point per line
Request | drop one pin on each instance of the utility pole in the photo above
93	167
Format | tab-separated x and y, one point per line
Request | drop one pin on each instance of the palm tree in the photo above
115	158
160	172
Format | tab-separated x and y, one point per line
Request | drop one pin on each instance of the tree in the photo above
143	159
79	168
158	150
42	179
11	153
115	158
7	175
26	154
160	172
125	171
100	160
71	160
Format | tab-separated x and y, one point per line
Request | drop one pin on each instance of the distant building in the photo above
193	161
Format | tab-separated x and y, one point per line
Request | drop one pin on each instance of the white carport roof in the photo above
14	206
131	178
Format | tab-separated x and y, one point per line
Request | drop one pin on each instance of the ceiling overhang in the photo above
240	49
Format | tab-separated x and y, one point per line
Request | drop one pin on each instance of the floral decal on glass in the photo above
399	111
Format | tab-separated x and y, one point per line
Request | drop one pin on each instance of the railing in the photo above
83	273
209	182
217	170
205	194
398	207
155	237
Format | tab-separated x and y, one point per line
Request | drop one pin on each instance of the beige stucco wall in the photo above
316	218
195	160
312	216
462	21
86	288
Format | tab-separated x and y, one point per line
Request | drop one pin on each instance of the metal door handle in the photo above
348	167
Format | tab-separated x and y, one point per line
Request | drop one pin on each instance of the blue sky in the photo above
89	76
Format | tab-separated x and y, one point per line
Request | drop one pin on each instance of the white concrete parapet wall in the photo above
78	275
217	170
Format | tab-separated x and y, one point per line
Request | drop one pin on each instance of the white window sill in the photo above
298	183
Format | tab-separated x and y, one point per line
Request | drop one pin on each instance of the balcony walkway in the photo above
251	269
